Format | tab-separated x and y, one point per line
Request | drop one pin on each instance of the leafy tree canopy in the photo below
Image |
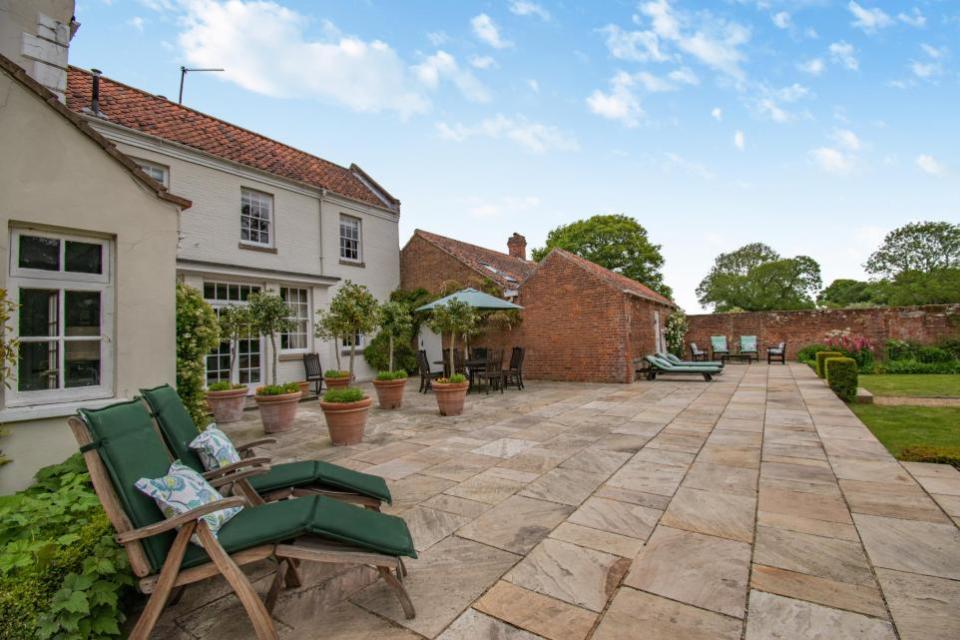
941	286
919	246
844	292
615	242
757	278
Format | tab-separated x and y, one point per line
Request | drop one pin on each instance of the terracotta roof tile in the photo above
504	269
129	107
614	279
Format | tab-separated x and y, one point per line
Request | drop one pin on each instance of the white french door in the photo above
249	365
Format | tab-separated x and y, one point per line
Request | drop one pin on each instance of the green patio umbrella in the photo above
474	298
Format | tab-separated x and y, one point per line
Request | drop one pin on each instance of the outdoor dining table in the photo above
472	364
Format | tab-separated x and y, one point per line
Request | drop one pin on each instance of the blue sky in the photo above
813	126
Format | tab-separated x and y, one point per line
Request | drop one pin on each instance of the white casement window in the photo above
247	368
299	302
350	239
64	287
256	218
358	339
158	172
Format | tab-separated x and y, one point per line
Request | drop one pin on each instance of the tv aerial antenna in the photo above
183	74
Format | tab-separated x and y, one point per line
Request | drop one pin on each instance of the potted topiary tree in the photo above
353	311
328	327
453	318
396	322
269	315
226	399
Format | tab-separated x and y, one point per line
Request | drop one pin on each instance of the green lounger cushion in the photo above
285	520
175	423
179	431
313	472
132	449
674	360
668	367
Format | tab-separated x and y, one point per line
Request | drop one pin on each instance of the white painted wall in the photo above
52	175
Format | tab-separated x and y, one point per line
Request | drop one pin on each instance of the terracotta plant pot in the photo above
227	406
277	413
390	392
304	388
450	396
346	420
336	383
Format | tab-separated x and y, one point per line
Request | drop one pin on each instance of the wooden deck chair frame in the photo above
171	579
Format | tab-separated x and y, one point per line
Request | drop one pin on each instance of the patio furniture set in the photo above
747	351
483	368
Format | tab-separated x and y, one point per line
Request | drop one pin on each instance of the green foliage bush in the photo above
278	389
336	373
842	377
61	573
915	367
951	346
225	385
809	353
377	354
198	332
349	394
676	332
821	358
392	375
457	378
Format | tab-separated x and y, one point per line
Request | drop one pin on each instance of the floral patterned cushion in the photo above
214	448
183	489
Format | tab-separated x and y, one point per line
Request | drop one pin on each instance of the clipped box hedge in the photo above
821	358
842	377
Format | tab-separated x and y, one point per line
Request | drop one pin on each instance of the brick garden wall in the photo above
928	325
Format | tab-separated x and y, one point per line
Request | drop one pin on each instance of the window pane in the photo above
83	313
84	257
39	253
39	312
37	366
209	291
82	363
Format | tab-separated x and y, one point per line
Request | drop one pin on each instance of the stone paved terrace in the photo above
755	506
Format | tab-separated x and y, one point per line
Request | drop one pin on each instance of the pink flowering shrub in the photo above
860	348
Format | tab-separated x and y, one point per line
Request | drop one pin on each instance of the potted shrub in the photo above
345	411
269	315
353	312
395	322
454	318
278	405
336	379
226	401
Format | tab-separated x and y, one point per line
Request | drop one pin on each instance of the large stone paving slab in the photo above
625	519
772	616
472	624
719	514
840	560
535	612
517	524
908	545
634	614
923	606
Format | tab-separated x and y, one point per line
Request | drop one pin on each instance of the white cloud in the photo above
532	136
869	20
524	8
914	18
498	208
793	93
159	5
620	103
137	23
442	65
772	103
677	162
814	66
487	31
844	53
934	52
769	108
739	141
833	160
635	46
684	76
781	20
264	49
534	85
929	164
717	113
482	62
926	70
847	139
438	38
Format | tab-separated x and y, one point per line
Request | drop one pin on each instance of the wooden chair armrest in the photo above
239	475
183	518
259	442
230	468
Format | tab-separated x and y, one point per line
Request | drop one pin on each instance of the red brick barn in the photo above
581	322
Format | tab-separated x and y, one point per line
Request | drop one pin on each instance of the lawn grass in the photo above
925	434
917	386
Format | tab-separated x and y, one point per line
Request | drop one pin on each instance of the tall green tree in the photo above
396	322
757	278
844	292
940	286
616	242
919	246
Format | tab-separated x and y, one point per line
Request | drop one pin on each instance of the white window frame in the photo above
359	238
271	227
305	319
62	281
218	303
361	344
150	167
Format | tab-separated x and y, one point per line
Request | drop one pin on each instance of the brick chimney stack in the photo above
517	246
